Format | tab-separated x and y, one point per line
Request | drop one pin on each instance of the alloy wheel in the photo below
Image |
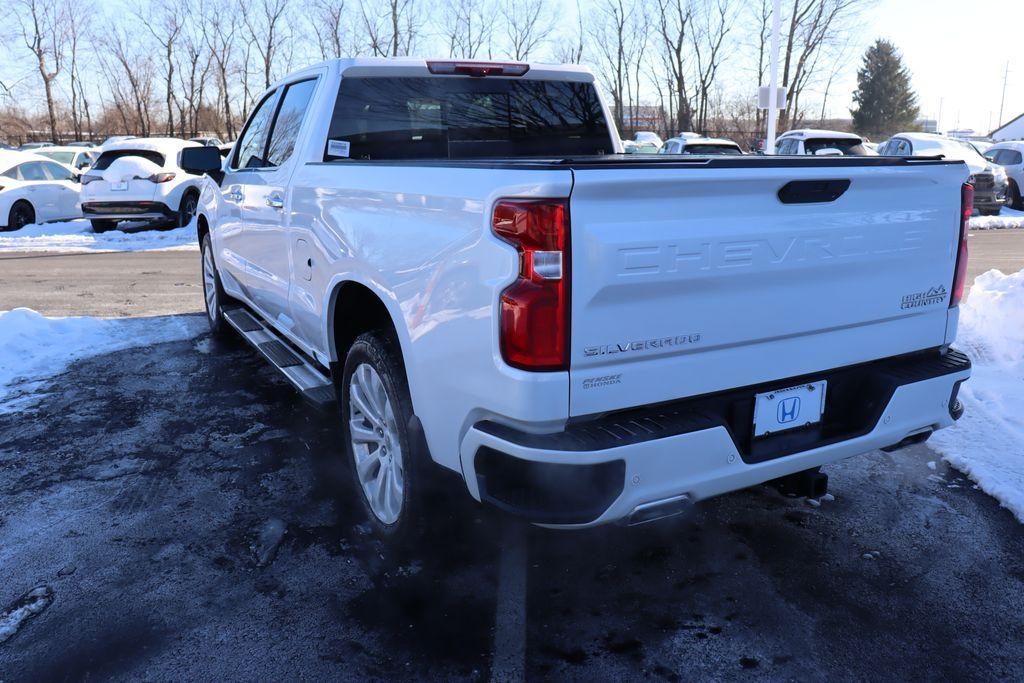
375	444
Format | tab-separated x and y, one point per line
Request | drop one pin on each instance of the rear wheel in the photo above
21	214
103	226
376	413
187	208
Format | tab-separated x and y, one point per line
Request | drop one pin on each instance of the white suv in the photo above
822	143
140	180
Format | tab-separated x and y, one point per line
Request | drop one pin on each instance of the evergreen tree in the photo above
885	104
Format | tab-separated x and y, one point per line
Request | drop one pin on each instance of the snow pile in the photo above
77	235
127	168
33	346
987	444
1007	218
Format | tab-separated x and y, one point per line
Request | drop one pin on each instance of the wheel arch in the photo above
354	308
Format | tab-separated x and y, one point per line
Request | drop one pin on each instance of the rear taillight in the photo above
86	179
534	324
478	69
161	177
960	276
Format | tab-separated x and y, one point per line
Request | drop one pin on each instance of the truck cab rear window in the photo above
465	118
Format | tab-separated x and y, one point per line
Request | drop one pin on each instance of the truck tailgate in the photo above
688	280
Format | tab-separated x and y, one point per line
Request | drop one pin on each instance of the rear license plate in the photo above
799	406
119	187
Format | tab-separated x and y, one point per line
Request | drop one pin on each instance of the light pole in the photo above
773	77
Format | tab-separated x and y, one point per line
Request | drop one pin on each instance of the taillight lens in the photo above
534	323
86	179
960	277
161	177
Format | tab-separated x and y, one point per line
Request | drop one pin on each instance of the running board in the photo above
306	377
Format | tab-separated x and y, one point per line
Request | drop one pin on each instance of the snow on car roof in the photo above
819	133
162	145
709	141
63	148
10	157
1008	144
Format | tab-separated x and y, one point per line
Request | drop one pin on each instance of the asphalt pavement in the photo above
178	513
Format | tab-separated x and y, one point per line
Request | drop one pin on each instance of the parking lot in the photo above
185	516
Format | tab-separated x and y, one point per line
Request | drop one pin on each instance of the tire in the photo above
187	208
1013	198
103	226
22	213
214	296
381	451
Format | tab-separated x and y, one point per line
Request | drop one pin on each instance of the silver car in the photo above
1010	155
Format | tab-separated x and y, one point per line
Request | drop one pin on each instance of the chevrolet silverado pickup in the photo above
459	261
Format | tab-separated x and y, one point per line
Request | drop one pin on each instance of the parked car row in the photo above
127	179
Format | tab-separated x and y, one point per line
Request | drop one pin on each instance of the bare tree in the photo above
673	28
130	72
814	25
195	64
569	48
220	31
466	27
266	22
164	19
78	36
713	23
392	27
619	40
45	26
329	21
528	24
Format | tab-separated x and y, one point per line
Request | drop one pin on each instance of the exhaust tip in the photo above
658	509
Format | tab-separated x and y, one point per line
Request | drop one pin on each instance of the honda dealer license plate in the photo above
119	187
799	406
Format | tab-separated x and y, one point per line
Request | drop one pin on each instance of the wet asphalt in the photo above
188	517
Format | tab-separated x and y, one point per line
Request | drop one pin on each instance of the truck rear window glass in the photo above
107	158
454	117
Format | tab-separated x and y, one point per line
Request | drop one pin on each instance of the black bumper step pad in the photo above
279	354
243	320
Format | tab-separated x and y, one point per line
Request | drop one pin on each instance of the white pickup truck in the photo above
460	256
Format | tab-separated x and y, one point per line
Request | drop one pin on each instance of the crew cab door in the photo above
689	279
238	242
66	191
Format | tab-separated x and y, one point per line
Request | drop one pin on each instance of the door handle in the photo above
275	201
234	196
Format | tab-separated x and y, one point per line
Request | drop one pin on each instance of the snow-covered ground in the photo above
987	444
34	347
1007	218
77	235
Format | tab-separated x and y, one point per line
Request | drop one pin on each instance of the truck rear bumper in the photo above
629	465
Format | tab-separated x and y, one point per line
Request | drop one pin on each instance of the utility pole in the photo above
773	78
1002	100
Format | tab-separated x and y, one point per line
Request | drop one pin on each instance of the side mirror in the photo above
200	160
76	177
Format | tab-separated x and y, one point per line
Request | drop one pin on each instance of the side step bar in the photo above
305	376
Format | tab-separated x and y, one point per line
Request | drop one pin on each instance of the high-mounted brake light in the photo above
960	276
161	177
534	324
478	69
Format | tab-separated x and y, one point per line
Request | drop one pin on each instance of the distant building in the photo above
1012	130
927	125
